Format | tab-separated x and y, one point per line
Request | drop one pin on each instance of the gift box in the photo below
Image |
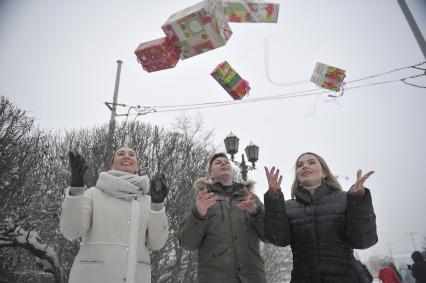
157	54
240	90
198	28
243	11
328	77
230	80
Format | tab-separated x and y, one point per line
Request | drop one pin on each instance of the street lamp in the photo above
252	152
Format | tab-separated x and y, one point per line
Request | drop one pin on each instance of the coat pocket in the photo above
143	255
83	261
92	254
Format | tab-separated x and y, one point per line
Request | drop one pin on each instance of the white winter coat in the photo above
117	235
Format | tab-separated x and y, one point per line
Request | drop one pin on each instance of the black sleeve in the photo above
361	230
257	220
277	227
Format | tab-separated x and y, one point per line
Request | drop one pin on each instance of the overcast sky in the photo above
58	62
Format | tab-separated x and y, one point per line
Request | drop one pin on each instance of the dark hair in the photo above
216	155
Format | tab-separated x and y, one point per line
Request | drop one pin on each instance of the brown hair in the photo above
216	155
329	178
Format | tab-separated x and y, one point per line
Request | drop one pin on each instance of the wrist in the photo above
257	211
154	200
197	214
77	184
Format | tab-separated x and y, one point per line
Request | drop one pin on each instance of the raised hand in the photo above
274	181
358	189
249	202
78	169
158	188
204	200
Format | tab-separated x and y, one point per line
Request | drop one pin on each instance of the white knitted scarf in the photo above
123	185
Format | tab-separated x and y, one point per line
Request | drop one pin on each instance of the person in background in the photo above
418	269
321	222
117	219
405	274
388	274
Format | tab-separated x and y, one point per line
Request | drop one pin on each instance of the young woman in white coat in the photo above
117	219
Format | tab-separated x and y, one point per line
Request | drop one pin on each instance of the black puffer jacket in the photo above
419	267
322	229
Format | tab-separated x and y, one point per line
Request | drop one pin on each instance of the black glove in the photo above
158	188
78	169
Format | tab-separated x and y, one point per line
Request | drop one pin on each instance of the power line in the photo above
142	110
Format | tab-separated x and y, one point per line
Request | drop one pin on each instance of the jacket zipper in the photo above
223	213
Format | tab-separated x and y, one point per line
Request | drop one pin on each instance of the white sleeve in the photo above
158	229
76	215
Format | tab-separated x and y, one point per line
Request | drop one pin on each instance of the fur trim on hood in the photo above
201	183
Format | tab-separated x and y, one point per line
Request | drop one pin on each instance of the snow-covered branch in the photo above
13	235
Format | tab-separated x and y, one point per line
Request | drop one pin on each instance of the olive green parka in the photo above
226	238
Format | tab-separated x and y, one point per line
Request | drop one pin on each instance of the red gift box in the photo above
240	90
198	28
157	54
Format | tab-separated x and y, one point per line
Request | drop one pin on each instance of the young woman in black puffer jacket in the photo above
321	223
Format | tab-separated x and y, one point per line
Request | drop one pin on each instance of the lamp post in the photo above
252	152
390	250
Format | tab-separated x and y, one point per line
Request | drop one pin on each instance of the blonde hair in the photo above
329	178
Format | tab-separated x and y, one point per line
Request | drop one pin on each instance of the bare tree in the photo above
278	263
34	173
23	153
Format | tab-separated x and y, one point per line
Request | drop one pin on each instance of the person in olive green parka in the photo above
225	226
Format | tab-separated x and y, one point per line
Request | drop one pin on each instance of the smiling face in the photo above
125	160
309	171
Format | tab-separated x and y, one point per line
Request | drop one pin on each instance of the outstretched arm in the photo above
157	230
76	215
361	230
277	227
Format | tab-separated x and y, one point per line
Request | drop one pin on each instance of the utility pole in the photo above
111	128
411	235
390	249
413	25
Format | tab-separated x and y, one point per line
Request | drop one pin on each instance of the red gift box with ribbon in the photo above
157	54
328	77
198	28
